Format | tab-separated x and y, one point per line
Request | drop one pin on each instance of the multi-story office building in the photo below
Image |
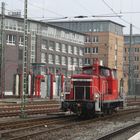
55	47
132	62
104	41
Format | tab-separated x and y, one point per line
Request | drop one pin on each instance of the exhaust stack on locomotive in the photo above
93	91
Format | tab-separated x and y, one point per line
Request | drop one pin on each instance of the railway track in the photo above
34	126
30	109
39	128
113	134
135	101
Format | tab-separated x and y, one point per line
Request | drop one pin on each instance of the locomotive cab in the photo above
93	91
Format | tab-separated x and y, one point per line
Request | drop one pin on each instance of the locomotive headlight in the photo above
96	96
78	105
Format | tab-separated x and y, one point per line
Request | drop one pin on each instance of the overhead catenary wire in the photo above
48	10
114	14
119	16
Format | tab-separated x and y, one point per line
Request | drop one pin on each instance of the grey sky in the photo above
44	9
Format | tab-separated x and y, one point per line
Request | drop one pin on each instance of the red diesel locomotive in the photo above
94	91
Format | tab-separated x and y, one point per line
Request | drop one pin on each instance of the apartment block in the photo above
57	48
131	66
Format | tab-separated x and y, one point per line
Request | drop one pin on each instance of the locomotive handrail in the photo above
100	94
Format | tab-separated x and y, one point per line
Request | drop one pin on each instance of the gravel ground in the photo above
92	130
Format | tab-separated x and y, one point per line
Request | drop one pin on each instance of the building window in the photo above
51	59
87	61
87	39
11	39
43	58
95	49
69	61
75	61
21	39
64	50
136	75
75	50
58	47
136	67
125	58
51	45
44	44
70	50
81	52
63	60
80	62
95	39
87	50
125	50
57	59
136	49
136	58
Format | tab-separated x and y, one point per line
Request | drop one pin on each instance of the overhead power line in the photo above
48	10
118	16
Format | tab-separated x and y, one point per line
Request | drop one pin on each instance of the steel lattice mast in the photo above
25	61
2	51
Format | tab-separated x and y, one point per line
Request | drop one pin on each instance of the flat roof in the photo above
44	23
67	21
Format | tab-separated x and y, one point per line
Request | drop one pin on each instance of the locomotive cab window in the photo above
105	72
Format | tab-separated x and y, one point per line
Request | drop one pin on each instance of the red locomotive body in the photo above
93	91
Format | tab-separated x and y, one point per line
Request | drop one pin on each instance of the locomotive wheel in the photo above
109	111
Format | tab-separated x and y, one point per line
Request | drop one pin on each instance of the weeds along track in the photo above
29	129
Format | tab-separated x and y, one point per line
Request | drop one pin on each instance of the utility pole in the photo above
2	51
131	69
25	61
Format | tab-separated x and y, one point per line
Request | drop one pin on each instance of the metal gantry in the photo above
25	61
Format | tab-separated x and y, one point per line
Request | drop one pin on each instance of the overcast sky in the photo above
44	9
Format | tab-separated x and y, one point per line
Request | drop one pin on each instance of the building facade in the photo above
132	62
104	41
57	48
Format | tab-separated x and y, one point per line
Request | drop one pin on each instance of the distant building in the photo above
135	61
58	48
104	40
14	13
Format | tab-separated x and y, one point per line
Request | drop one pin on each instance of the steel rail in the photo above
117	132
41	123
126	112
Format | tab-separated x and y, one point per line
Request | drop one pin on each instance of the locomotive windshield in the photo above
88	71
105	72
